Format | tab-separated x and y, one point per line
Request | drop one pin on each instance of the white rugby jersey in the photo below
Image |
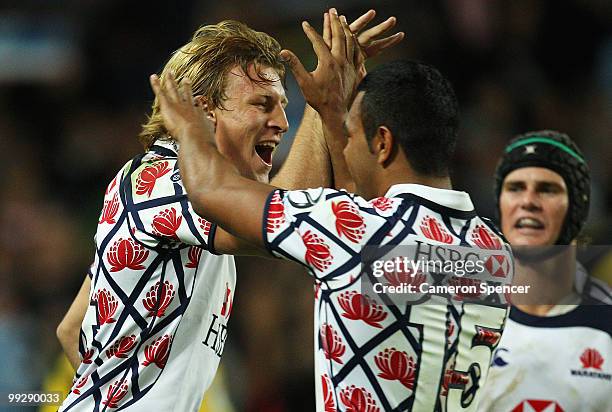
372	357
160	298
560	363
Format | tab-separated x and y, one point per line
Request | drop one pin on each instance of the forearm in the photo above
203	168
69	329
308	162
69	341
335	138
218	192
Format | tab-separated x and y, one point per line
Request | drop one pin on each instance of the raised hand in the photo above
180	111
341	52
328	88
369	42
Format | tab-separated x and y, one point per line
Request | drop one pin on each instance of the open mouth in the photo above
529	223
265	151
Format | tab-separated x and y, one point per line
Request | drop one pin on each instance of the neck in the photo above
549	281
407	176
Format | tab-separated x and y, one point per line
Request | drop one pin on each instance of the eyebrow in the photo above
538	183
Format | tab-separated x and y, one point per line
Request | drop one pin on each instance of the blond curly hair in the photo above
212	52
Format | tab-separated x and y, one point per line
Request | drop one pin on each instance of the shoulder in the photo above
591	289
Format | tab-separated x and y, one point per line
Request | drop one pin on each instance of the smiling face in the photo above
252	121
533	204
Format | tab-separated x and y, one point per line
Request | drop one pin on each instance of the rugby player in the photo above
148	327
555	351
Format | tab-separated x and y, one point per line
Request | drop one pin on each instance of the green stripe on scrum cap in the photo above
546	140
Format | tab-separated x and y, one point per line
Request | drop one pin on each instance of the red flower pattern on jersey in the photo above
116	392
452	377
317	289
110	209
485	239
87	356
434	230
399	278
486	336
396	366
107	306
276	213
317	251
80	383
328	396
227	299
111	186
204	225
358	400
450	328
148	176
359	307
121	347
126	253
331	343
166	294
382	203
591	358
348	221
194	257
158	352
166	223
462	282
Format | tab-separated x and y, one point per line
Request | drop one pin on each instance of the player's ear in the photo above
202	102
383	145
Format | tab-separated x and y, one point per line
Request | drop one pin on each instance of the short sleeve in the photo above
159	210
323	229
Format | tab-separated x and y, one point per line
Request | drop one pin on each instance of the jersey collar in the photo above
171	145
449	198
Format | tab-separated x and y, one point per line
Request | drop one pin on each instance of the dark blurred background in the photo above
74	92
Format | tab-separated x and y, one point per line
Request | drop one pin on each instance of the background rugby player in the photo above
555	351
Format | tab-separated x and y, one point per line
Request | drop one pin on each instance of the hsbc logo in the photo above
497	265
217	330
538	405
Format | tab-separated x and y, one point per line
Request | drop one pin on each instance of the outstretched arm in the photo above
308	162
330	87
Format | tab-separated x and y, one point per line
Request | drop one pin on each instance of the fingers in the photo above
156	86
297	68
167	90
367	36
318	44
185	90
327	30
362	21
350	40
378	45
170	88
338	49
